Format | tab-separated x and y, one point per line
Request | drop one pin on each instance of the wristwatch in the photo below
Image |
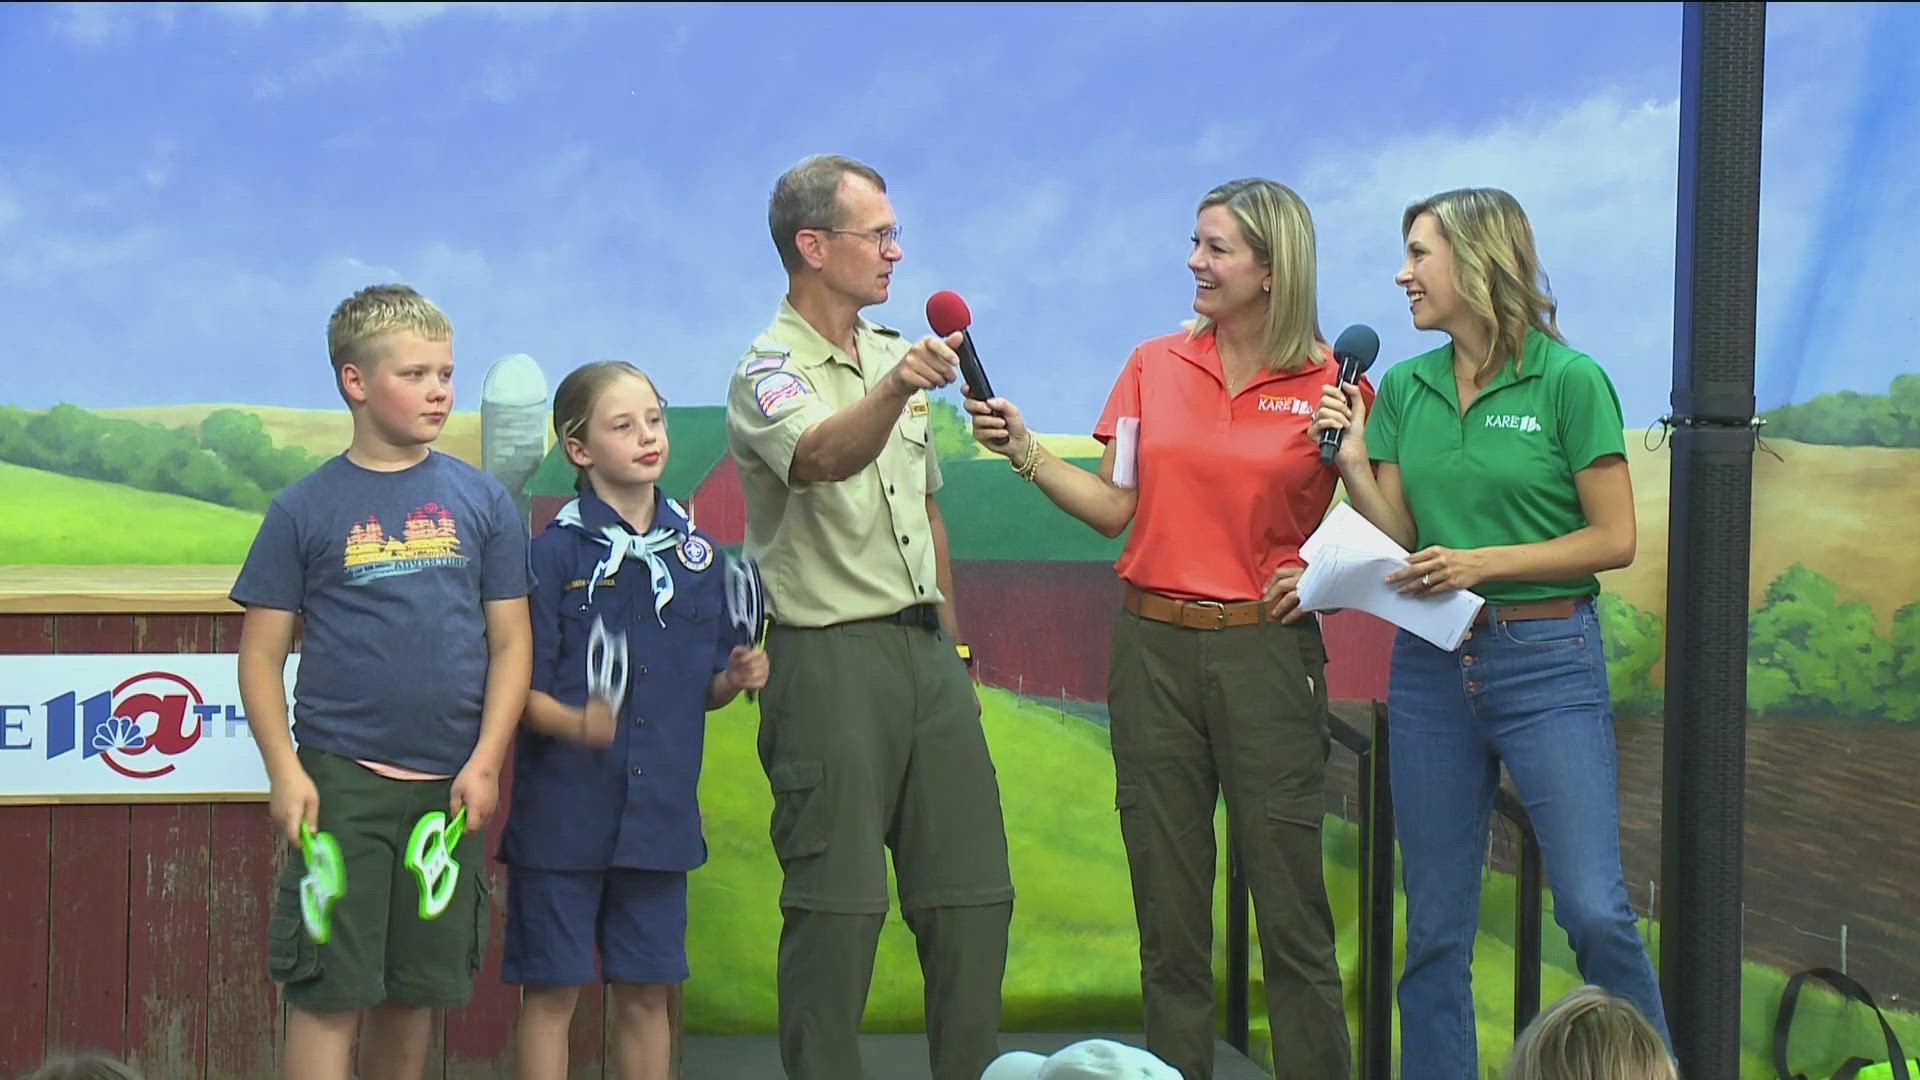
965	651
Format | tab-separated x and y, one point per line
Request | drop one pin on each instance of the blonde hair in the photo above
1279	228
366	319
1590	1035
579	392
1495	269
83	1067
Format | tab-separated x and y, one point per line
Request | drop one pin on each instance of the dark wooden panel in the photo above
26	834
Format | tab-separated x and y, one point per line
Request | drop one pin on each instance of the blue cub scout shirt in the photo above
635	804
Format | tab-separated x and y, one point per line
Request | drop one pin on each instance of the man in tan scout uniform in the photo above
870	730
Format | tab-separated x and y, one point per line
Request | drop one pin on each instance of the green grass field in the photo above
63	520
1073	958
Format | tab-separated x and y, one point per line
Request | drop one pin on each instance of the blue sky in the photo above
189	189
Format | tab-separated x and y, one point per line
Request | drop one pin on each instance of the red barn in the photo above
698	443
1038	596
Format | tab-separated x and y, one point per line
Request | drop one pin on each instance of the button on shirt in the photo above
1502	473
851	549
635	803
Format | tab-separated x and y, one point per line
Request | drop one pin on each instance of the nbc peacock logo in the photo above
137	728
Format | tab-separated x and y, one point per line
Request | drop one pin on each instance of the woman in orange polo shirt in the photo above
1209	692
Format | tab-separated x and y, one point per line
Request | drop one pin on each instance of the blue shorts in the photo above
557	920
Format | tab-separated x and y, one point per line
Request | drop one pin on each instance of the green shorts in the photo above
379	948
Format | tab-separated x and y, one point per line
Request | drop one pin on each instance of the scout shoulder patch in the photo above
766	360
695	554
917	405
774	392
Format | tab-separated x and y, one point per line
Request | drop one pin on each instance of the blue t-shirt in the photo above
634	804
390	570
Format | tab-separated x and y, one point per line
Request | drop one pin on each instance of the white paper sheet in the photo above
1126	452
1348	560
1344	527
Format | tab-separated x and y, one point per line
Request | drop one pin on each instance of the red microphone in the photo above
947	314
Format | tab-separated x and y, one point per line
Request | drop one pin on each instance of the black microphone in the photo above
1355	348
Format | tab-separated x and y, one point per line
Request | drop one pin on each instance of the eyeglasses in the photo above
880	237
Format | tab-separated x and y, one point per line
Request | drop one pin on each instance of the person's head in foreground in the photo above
1091	1059
1590	1035
83	1067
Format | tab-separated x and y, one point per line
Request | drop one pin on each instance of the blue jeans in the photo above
1532	694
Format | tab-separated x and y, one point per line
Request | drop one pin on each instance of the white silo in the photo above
513	425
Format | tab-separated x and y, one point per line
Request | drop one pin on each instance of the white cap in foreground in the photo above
1093	1059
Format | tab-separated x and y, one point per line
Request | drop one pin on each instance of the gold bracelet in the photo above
1020	470
1032	464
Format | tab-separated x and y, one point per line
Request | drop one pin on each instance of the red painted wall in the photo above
140	929
1046	628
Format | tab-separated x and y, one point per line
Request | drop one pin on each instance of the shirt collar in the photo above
1437	370
1204	353
596	514
806	345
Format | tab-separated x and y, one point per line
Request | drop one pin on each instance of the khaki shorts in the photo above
379	948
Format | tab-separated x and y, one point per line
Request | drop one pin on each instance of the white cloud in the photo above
405	15
1841	172
95	25
1597	179
1068	253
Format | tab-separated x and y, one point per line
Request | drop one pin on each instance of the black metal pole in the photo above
1715	273
1528	913
1376	1007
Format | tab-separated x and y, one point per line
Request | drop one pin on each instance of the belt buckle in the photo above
1219	613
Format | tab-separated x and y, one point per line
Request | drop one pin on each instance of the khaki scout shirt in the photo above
831	552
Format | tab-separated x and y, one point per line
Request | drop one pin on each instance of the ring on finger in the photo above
1426	579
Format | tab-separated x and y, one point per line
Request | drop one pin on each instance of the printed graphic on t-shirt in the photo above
429	540
1514	423
1284	403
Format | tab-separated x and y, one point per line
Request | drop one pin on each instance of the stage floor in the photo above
901	1057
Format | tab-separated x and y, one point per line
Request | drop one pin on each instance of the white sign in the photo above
152	726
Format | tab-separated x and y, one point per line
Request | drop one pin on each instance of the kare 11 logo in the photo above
137	728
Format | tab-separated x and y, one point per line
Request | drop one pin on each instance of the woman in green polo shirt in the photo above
1501	464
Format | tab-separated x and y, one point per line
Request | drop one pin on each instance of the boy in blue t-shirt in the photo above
410	570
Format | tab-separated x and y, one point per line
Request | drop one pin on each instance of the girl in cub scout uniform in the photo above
1502	467
632	647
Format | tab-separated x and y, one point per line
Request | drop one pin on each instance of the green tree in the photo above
242	442
13	431
1903	693
1905	397
1811	654
64	440
239	438
1634	642
952	429
1849	418
72	441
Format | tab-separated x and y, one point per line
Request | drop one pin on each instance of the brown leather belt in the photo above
1194	614
1562	608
